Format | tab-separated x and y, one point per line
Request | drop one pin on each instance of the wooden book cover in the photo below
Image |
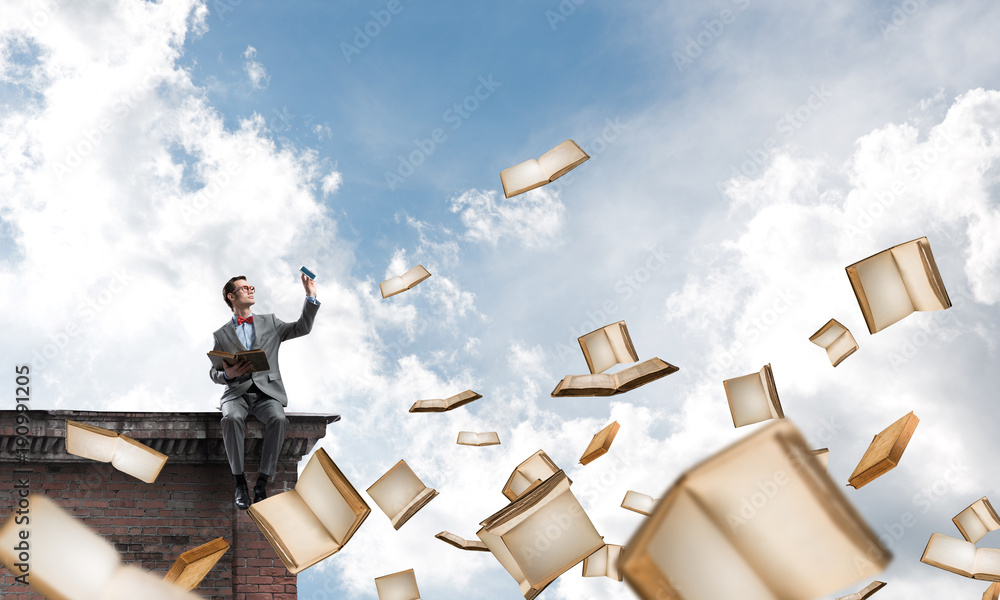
763	513
528	475
992	592
605	384
601	443
446	404
256	358
892	284
462	543
192	566
314	520
513	535
753	398
400	494
962	557
608	346
533	173
125	454
884	452
640	503
401	283
471	438
870	589
836	340
70	561
977	520
398	586
604	562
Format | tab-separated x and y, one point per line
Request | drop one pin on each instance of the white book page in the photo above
616	336
829	336
972	524
986	514
325	500
88	444
392	286
841	347
138	461
747	400
396	490
294	523
503	555
602	353
596	565
911	269
951	552
536	468
416	273
987	564
522	177
887	295
398	586
559	158
640	503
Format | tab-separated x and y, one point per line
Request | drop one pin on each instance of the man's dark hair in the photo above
230	288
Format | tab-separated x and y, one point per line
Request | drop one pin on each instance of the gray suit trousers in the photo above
268	411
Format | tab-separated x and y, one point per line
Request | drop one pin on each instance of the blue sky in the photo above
742	154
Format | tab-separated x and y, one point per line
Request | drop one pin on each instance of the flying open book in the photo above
461	543
406	281
753	398
528	475
398	586
604	562
609	384
758	520
256	357
640	503
124	453
192	566
896	282
884	452
70	561
836	339
314	520
520	535
471	438
608	346
870	589
601	443
977	520
962	557
400	494
535	173
439	405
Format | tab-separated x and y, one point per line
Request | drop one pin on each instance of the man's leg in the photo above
234	414
269	412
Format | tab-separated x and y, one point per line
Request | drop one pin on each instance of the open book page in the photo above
90	441
866	593
642	373
68	560
986	565
771	391
460	542
471	438
414	276
640	503
192	566
920	284
604	562
522	177
529	474
398	586
828	333
560	160
296	534
331	497
977	520
138	460
414	505
461	399
600	384
499	550
950	554
395	491
131	582
841	348
607	347
882	285
748	402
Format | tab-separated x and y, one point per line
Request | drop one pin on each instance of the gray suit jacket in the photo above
269	332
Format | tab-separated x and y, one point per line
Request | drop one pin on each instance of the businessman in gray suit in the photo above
261	393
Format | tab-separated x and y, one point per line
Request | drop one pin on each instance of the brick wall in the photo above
190	503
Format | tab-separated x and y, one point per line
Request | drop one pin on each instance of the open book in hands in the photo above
256	358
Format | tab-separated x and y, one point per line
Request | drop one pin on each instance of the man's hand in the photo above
310	285
240	368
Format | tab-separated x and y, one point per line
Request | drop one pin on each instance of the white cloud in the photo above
533	219
331	183
255	70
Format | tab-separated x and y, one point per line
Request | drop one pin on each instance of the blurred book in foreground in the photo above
528	475
822	455
471	438
894	283
609	384
601	443
758	520
125	454
401	283
640	503
541	535
66	560
836	340
446	404
870	589
962	557
992	592
461	543
884	452
192	566
534	173
753	398
977	520
314	520
604	562
400	494
398	586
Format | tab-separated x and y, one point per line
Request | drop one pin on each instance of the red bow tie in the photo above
241	320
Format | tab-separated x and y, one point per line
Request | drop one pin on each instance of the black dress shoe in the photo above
242	496
259	492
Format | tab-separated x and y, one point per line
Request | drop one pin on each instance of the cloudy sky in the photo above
743	153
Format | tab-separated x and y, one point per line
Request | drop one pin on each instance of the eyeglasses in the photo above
246	289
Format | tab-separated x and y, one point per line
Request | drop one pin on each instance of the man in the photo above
261	394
